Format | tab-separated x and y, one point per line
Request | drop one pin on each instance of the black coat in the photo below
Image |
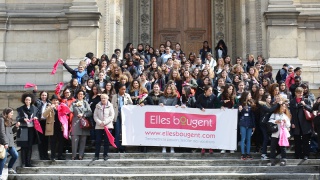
24	130
302	125
206	102
265	111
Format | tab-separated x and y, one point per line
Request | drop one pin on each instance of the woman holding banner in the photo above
207	100
118	100
229	100
27	135
169	98
103	116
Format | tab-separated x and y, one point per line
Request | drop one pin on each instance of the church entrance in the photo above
187	22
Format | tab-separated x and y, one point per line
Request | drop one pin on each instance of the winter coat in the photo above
206	102
115	102
246	118
24	130
85	110
277	116
49	114
299	119
266	111
104	114
168	101
3	139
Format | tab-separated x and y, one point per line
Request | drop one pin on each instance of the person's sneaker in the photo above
12	171
203	151
305	158
164	150
223	151
243	157
264	157
249	157
96	158
105	157
283	163
232	151
171	150
273	162
210	151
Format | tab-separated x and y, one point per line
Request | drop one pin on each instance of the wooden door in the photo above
185	21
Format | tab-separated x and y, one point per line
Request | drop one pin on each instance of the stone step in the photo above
235	155
170	162
167	169
175	176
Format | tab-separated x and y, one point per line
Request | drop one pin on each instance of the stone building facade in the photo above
35	33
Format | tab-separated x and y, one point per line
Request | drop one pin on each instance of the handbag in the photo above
85	123
271	127
309	116
2	152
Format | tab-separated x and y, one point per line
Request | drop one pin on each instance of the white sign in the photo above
169	126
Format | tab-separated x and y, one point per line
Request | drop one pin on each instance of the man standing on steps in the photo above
119	100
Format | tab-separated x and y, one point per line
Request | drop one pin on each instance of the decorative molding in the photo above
247	22
130	21
258	27
234	30
145	16
106	25
219	10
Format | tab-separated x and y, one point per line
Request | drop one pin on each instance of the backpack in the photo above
279	77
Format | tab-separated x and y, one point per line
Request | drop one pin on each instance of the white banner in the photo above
169	126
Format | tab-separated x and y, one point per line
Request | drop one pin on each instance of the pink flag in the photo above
55	66
63	110
58	87
37	126
110	137
29	85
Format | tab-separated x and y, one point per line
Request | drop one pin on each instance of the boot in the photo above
28	159
273	162
23	157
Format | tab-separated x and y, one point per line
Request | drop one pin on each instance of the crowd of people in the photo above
167	76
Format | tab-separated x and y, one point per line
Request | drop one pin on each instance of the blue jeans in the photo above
245	137
101	134
14	156
3	162
265	135
118	132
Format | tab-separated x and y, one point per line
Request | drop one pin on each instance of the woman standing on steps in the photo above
80	109
4	144
246	123
7	115
281	117
42	103
27	135
169	98
207	100
103	116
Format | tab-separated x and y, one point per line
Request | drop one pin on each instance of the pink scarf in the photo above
58	88
29	85
110	137
55	66
63	110
283	139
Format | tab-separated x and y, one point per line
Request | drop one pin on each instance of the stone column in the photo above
282	33
3	34
83	29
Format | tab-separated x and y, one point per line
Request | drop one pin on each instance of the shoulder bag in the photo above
272	127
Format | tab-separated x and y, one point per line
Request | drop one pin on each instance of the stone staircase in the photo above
140	166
